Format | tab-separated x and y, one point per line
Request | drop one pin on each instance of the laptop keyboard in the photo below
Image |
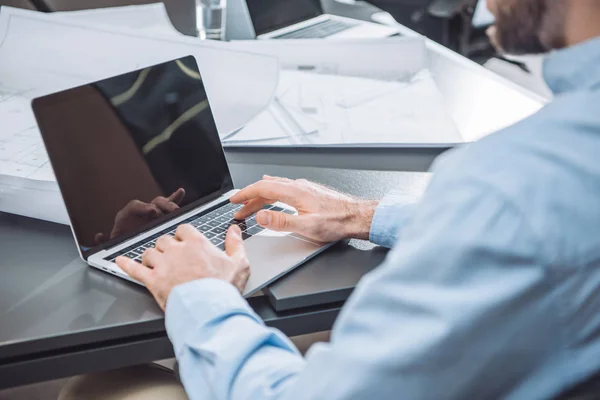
213	225
321	30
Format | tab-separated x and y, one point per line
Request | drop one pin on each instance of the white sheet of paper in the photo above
43	53
272	124
385	59
147	18
351	111
360	92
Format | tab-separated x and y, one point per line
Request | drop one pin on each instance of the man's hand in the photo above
137	213
187	257
323	214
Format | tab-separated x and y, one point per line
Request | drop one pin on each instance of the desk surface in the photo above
55	310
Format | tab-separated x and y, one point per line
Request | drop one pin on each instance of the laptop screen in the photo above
270	15
132	151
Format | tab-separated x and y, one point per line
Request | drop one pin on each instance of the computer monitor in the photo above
270	15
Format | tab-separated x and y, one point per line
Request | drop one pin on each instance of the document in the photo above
385	59
147	18
374	92
44	53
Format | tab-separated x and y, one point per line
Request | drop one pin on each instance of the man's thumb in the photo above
277	221
234	244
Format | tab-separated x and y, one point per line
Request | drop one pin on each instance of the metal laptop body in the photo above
305	19
121	146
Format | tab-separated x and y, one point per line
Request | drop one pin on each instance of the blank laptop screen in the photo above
270	15
120	146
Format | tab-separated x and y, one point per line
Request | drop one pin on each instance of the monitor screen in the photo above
270	15
130	152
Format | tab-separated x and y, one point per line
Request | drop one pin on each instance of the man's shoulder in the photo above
546	165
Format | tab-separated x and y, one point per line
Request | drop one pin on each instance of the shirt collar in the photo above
574	68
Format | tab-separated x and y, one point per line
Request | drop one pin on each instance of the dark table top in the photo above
51	302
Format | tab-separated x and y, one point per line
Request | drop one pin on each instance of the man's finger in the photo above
163	242
165	205
151	258
278	221
188	232
135	270
234	244
177	196
275	190
276	178
251	207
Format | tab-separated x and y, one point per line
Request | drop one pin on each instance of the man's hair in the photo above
531	26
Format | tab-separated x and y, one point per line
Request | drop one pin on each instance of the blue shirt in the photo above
492	289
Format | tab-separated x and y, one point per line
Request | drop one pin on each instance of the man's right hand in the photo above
323	214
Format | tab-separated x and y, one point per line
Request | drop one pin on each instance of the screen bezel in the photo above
55	99
283	25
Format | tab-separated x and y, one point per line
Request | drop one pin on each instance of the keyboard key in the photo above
288	211
214	224
216	241
229	206
242	225
221	229
277	208
222	219
210	234
251	223
222	236
205	228
255	230
204	218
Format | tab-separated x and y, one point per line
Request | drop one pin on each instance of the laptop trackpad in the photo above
272	256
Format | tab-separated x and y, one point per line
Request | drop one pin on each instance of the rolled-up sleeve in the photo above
391	216
219	340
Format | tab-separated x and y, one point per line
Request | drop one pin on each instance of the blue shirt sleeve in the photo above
455	300
391	216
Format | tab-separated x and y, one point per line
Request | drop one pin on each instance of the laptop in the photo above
137	155
305	19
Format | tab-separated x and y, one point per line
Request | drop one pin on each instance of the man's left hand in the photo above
187	257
